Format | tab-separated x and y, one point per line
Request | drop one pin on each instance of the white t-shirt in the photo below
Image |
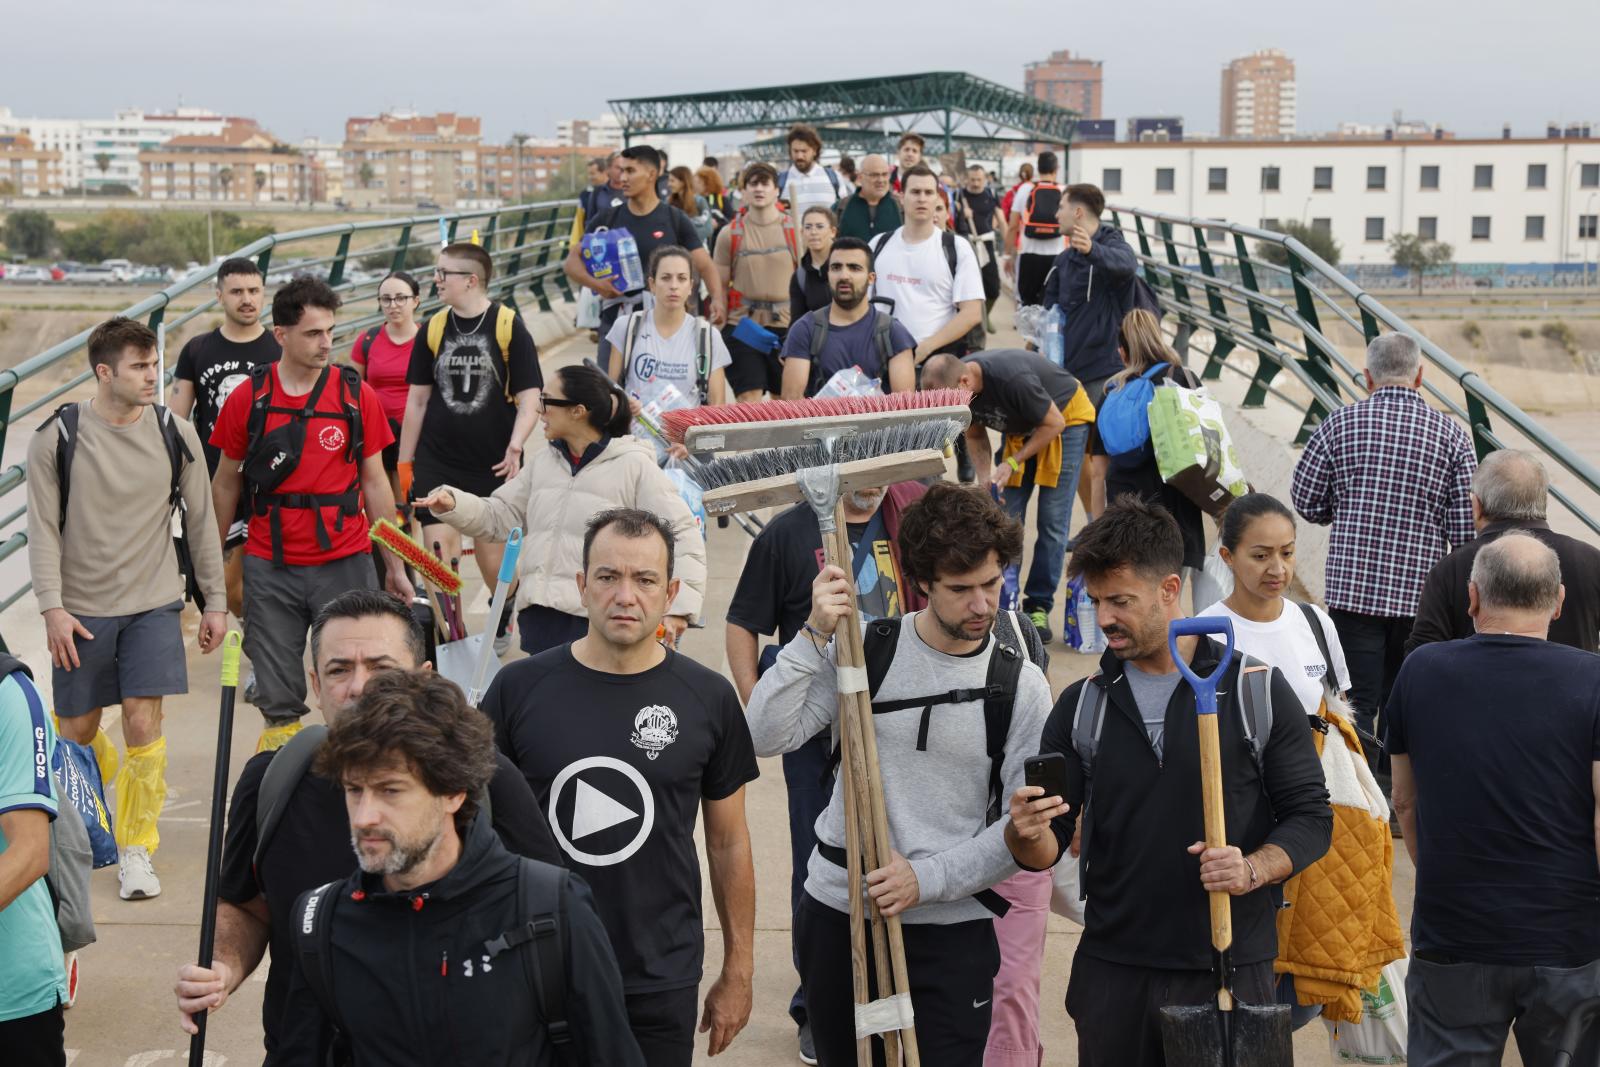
660	361
1034	246
1289	645
804	190
917	278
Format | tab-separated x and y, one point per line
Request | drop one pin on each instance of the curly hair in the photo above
419	719
1132	532
952	529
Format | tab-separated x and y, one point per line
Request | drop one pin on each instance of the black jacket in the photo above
412	983
1146	907
813	295
1442	611
1093	290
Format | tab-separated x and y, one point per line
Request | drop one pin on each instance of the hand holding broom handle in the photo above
219	800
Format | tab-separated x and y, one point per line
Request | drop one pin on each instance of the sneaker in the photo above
276	735
137	877
1041	622
72	979
502	644
808	1047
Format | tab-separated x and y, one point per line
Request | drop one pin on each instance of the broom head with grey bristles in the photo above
772	423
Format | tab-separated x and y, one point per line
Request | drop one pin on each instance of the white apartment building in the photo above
1493	201
602	132
101	152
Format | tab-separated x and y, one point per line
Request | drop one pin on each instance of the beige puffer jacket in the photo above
553	505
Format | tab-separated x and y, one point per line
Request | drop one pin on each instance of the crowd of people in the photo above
519	882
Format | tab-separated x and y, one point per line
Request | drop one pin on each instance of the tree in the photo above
1320	242
261	182
29	233
102	160
366	174
519	139
225	176
1417	254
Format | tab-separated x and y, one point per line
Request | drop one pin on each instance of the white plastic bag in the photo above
852	381
1030	324
1380	1036
588	310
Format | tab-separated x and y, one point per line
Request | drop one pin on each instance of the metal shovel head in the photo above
1248	1036
458	661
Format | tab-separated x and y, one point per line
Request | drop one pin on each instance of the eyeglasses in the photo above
392	301
556	402
440	274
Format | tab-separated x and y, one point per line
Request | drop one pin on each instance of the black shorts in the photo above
428	476
663	1024
391	454
752	369
1032	270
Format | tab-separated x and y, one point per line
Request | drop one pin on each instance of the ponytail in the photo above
604	400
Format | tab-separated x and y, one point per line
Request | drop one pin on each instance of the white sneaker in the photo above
502	644
137	876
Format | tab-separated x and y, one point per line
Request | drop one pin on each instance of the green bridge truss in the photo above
853	141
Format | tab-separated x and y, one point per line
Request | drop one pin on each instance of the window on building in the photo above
1377	178
1217	180
1322	225
1483	176
1375	228
1166	179
1588	227
1322	179
1536	175
1428	228
1215	235
1533	228
1270	224
1589	175
1430	177
1480	227
1269	179
1111	180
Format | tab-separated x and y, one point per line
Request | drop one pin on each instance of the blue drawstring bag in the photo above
1081	631
751	333
78	776
1123	422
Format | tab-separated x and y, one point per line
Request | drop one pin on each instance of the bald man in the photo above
870	210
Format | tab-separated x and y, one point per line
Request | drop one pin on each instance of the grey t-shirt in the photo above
1152	692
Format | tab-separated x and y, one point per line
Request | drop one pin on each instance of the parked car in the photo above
22	272
146	276
92	276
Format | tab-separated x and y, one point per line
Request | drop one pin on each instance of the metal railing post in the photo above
1266	367
1319	362
1222	340
336	272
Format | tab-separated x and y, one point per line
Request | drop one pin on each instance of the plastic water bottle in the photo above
1091	640
632	269
1055	336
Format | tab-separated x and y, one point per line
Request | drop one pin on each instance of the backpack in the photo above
976	337
702	351
882	342
66	418
1138	295
536	941
272	456
1089	719
1124	419
1039	219
71	858
736	238
833	179
504	319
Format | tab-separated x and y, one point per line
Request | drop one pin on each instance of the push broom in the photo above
219	803
434	571
826	449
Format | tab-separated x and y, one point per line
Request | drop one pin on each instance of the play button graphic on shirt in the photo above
607	797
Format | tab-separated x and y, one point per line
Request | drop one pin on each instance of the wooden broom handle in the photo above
1216	837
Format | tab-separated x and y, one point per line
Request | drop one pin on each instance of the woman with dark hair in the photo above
382	354
808	289
682	194
591	463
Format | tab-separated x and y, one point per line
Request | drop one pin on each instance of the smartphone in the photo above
1048	769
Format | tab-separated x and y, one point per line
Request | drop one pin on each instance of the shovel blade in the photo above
1247	1036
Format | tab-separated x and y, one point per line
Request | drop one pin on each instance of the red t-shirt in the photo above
322	469
386	371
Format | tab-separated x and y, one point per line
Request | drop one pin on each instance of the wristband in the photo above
1255	879
1014	464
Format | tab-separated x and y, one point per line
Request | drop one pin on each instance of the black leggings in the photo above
35	1040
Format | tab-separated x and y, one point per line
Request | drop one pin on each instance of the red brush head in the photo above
677	422
431	567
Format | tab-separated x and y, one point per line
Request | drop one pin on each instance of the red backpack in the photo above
736	238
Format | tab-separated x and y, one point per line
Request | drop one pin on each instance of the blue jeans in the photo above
1054	520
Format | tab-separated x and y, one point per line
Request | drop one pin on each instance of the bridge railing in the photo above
1280	301
527	243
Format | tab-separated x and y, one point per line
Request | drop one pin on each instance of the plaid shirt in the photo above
1392	475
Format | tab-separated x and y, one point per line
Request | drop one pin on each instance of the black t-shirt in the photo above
774	591
216	366
1506	870
468	421
311	847
983	206
665	225
620	764
1018	389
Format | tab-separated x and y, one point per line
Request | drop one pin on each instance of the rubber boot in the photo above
276	734
141	792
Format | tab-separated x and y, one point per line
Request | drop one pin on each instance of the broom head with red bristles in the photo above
433	570
774	423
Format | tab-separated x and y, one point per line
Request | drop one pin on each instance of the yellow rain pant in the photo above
141	791
275	737
105	753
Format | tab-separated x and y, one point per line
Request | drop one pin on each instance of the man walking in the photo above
1511	491
625	741
756	256
1036	215
415	957
979	220
268	860
806	182
304	445
1147	871
1495	748
849	332
1393	477
930	278
1043	417
872	209
104	478
939	780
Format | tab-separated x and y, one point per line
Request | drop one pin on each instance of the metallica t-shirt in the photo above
620	764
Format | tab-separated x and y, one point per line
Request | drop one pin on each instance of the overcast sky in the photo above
302	66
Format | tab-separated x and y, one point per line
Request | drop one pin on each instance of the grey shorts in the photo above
131	656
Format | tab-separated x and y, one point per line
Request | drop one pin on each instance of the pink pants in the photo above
1014	1028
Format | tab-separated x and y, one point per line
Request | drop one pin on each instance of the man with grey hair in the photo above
1509	492
1495	743
1393	477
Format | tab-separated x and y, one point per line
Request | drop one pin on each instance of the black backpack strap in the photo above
350	401
1255	709
629	339
878	645
540	891
1005	668
179	456
1088	720
278	784
702	358
1312	620
366	342
314	944
819	334
948	240
66	446
882	325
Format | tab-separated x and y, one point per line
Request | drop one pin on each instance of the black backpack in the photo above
1138	294
1039	219
536	941
66	417
270	457
881	342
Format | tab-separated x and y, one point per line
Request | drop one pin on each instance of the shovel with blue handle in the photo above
1226	1033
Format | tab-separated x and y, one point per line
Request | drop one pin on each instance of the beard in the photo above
402	857
851	302
957	631
1141	645
865	499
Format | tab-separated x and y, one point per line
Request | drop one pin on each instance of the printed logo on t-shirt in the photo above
464	374
226	387
605	793
1316	670
331	438
654	728
647	367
